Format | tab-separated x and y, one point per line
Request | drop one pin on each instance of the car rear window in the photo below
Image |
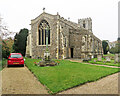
15	56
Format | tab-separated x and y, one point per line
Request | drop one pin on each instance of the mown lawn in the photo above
67	74
111	63
109	55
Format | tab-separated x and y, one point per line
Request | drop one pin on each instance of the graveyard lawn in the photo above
67	74
103	62
109	55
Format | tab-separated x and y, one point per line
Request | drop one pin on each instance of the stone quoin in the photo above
66	39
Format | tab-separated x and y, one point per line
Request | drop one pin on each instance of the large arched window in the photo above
42	32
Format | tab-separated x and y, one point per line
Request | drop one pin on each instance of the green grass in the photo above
111	63
67	74
109	55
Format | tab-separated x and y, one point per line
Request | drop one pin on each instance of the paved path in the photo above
107	85
103	65
80	61
19	80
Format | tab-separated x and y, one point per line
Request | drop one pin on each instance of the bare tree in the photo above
4	32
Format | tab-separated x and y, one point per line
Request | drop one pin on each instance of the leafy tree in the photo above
105	47
9	43
112	50
118	39
116	49
5	50
19	45
0	49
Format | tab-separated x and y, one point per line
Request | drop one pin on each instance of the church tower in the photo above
86	23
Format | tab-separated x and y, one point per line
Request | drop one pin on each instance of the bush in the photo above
5	50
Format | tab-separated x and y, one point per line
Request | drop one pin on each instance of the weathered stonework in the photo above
67	39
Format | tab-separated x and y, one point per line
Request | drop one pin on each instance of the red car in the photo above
15	59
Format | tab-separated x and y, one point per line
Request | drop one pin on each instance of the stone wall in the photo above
65	35
38	50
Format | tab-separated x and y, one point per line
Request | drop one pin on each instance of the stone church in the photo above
66	39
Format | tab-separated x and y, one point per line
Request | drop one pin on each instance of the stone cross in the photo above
44	9
99	58
47	54
107	59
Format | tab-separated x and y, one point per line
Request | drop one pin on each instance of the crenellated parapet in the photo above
86	23
67	39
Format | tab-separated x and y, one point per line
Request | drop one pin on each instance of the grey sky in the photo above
104	13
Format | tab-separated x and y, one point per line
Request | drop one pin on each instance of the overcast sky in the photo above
17	14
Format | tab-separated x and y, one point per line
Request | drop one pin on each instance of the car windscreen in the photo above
15	56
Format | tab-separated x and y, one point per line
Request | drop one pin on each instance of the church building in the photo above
66	39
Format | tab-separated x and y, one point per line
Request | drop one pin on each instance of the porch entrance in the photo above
71	52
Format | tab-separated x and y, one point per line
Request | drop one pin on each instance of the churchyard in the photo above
67	74
109	59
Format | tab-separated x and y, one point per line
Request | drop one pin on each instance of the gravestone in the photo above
108	52
107	59
99	58
94	60
117	58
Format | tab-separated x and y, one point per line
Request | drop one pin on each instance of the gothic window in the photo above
48	36
84	24
43	32
65	42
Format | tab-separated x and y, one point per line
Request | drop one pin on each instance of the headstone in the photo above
107	59
99	58
92	56
112	57
104	61
117	58
108	52
94	60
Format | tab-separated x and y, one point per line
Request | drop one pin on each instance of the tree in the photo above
112	50
5	50
118	39
105	47
3	34
20	39
116	49
9	42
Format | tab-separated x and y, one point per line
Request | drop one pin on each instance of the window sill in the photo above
44	45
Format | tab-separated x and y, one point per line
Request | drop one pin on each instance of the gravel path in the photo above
80	61
19	80
107	85
103	65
